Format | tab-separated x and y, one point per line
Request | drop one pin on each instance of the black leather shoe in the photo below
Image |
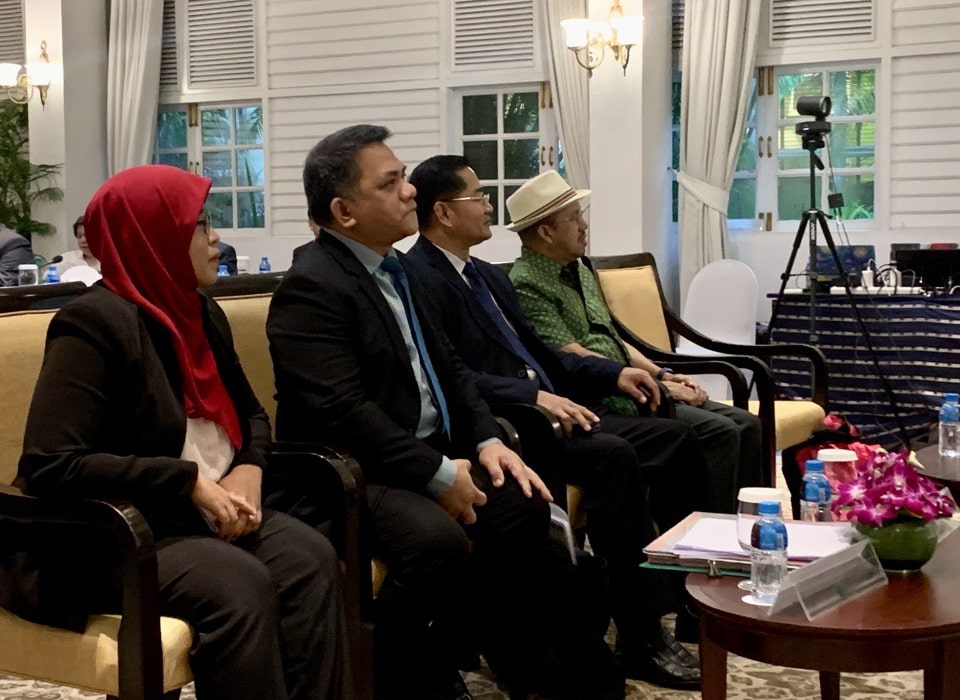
662	661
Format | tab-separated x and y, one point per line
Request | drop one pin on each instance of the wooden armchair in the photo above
631	287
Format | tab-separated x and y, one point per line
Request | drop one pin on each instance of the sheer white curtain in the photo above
133	81
719	48
568	81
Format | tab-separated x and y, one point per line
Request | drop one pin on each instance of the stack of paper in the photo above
708	541
716	538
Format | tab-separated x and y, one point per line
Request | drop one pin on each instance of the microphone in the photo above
52	261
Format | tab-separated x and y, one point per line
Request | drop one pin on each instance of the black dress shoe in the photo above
662	661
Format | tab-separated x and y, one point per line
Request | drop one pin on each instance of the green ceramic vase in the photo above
903	546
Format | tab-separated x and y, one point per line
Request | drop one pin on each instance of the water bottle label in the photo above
769	535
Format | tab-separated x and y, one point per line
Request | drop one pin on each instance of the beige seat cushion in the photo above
87	660
248	323
22	338
634	298
578	518
796	420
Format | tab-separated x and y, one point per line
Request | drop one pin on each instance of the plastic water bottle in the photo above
950	427
815	502
264	265
52	275
768	556
223	271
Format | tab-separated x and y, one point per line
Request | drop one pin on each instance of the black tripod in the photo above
813	218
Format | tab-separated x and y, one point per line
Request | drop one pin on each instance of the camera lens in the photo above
817	107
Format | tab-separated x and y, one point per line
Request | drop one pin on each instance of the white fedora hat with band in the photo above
538	198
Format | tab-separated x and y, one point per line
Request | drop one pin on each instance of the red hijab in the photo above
139	225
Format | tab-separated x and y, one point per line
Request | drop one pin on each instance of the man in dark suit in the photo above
15	250
228	256
483	320
458	517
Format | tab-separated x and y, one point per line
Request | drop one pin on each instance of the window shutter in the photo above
794	22
676	25
168	46
11	32
221	36
492	33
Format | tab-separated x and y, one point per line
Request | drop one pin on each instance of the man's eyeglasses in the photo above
576	217
484	197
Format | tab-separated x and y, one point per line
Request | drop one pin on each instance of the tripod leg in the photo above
804	222
887	389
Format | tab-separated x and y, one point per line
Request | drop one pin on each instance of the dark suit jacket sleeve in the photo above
323	385
89	349
14	252
448	305
228	256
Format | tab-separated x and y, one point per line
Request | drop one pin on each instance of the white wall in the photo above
70	130
324	66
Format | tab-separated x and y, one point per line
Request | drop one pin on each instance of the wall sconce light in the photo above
589	39
20	81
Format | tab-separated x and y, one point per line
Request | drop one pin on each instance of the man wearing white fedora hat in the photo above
560	295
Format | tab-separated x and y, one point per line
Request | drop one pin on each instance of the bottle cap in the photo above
952	397
814	465
223	270
769	508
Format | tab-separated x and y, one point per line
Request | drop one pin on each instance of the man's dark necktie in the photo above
482	292
400	283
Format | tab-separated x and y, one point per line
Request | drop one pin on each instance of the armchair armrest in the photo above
335	479
333	473
539	433
762	377
818	363
140	654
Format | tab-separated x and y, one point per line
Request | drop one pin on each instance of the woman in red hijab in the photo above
141	397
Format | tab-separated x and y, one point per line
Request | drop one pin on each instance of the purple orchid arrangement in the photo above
888	488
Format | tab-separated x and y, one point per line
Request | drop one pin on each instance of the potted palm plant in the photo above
22	183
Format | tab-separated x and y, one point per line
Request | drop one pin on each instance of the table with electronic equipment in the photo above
917	343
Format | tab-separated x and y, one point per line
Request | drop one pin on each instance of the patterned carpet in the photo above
747	680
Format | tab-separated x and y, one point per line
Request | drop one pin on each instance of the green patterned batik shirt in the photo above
565	305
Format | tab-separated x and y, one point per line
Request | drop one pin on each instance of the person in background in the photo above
561	296
228	256
15	250
81	256
461	521
141	397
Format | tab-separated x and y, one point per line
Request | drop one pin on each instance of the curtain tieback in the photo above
711	195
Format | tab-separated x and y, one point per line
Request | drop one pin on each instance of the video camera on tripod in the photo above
812	137
819	109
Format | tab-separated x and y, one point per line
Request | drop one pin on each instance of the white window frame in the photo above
769	171
546	135
195	149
